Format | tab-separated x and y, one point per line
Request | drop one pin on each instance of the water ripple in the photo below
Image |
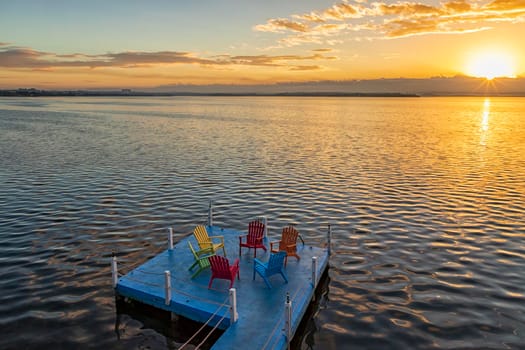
427	220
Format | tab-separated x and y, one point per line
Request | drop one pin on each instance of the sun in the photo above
491	65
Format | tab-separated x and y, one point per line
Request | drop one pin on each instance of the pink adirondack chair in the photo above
221	268
254	238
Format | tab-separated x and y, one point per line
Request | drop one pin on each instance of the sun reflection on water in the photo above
484	126
486	113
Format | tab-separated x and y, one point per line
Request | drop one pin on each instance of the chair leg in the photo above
197	272
209	284
267	282
284	276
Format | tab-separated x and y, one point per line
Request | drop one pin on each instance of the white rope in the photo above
212	330
146	283
150	273
205	324
277	324
178	291
128	267
293	298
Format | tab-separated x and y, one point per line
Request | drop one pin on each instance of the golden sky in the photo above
132	44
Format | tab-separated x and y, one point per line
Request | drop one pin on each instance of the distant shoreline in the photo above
130	93
126	93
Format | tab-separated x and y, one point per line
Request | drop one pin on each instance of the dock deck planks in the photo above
261	310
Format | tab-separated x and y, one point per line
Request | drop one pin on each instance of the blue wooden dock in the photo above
261	311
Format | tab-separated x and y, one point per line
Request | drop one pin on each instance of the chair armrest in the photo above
205	253
236	262
257	262
241	236
219	237
272	243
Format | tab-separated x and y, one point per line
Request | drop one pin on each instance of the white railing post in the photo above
167	286
210	214
314	270
265	222
114	271
329	240
288	319
170	238
234	316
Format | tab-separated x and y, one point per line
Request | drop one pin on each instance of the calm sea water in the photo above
425	197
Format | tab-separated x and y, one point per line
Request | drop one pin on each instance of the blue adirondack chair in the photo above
274	266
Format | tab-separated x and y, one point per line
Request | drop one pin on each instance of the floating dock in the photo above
265	319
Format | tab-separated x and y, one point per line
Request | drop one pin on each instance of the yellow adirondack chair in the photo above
206	242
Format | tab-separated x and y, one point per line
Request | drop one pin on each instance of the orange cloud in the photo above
280	24
392	20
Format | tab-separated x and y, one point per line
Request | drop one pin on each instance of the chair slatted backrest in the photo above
255	232
201	235
220	266
289	237
275	263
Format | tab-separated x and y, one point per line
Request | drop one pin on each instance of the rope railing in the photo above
193	296
150	272
205	324
277	324
145	283
212	330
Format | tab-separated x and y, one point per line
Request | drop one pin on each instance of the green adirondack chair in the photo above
201	259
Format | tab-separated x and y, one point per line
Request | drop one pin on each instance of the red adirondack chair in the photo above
221	268
254	238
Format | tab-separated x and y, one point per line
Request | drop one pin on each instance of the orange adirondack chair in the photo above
221	268
254	238
288	243
206	242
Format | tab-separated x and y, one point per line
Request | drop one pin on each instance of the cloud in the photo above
507	5
346	20
305	68
26	58
281	24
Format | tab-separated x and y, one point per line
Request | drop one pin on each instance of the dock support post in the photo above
167	287
114	271
329	240
210	214
314	270
288	319
234	316
170	238
265	222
